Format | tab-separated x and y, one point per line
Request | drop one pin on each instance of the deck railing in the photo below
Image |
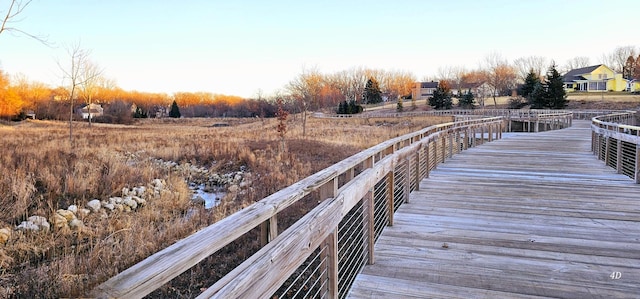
616	141
320	254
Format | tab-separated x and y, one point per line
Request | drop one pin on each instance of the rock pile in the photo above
70	218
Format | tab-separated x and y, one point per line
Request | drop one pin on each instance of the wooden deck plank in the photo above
533	215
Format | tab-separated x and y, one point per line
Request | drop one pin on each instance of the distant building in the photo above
595	78
424	90
91	111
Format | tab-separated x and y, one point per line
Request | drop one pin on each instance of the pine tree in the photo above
530	83
175	111
537	98
467	100
372	93
341	107
441	98
554	89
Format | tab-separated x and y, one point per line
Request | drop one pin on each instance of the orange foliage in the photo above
10	101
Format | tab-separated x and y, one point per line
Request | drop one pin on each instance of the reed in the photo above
41	172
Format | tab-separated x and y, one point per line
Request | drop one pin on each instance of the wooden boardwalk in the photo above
534	215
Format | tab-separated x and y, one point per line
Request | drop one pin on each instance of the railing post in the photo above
331	260
369	225
390	192
466	138
637	178
268	230
329	189
418	177
490	127
619	156
428	157
444	148
451	139
407	179
606	151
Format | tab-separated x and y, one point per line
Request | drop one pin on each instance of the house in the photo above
91	111
595	78
478	89
424	90
633	85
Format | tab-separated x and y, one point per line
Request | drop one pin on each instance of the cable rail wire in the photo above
320	254
616	141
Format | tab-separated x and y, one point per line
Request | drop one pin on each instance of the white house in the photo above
91	111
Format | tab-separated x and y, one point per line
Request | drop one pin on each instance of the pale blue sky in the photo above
239	47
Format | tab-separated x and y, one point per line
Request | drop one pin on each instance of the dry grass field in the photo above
41	173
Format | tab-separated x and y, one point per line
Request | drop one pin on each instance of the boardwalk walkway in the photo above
533	215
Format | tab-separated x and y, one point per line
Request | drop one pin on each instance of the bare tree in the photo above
73	75
90	82
619	57
524	65
576	63
306	88
500	75
16	8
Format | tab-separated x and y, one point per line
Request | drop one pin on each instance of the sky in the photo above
242	47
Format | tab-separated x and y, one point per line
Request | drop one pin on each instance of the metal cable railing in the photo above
616	141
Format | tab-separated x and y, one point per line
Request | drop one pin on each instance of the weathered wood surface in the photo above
528	216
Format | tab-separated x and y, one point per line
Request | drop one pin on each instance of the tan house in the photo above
423	90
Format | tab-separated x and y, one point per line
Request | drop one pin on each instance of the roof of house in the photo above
576	74
431	84
470	85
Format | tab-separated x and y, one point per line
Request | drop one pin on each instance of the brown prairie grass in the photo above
41	172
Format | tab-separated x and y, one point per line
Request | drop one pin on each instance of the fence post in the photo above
331	243
428	157
268	230
418	177
407	179
390	192
619	156
369	225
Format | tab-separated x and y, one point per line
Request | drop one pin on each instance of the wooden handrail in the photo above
617	142
296	243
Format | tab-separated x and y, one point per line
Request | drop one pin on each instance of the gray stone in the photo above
132	204
76	224
40	221
73	209
94	205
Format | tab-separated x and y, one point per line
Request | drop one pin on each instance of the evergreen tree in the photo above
554	90
372	93
537	98
139	113
175	111
530	83
341	107
441	98
467	100
355	108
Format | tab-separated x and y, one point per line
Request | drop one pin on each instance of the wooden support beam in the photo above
619	156
268	230
369	225
390	191
407	179
331	244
